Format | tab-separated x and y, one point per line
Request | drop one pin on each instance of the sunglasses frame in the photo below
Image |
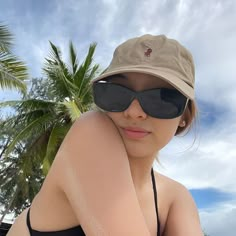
136	93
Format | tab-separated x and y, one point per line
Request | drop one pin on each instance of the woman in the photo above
102	181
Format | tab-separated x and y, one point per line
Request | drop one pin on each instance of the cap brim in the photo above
176	80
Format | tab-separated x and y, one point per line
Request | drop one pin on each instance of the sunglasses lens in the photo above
160	103
163	103
111	97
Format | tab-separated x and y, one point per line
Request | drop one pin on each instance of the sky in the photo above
205	159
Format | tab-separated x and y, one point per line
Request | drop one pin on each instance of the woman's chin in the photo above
138	153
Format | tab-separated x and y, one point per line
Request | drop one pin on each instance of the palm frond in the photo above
28	103
84	68
56	60
12	103
58	73
56	55
31	128
5	39
57	134
73	58
88	86
72	109
13	72
89	57
35	104
67	83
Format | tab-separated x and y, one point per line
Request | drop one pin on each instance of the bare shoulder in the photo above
182	214
169	188
172	186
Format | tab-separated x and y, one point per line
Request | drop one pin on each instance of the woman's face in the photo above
153	133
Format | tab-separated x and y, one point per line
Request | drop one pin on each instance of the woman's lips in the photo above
135	133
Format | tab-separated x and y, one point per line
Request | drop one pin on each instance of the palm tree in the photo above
40	124
13	72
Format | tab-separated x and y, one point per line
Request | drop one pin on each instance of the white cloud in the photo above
210	163
219	221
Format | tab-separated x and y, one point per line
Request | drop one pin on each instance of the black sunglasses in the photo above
160	103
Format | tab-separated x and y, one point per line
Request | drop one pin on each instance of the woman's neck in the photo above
140	168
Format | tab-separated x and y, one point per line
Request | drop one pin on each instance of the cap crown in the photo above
155	51
155	55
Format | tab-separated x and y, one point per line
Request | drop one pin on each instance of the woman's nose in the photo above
135	111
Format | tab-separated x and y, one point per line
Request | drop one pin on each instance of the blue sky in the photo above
207	28
210	197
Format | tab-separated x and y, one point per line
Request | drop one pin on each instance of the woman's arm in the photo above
183	218
96	178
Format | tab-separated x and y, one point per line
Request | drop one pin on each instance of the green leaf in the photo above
27	131
13	72
6	39
72	109
57	134
73	58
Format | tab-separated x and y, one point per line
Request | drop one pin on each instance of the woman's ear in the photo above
182	123
187	118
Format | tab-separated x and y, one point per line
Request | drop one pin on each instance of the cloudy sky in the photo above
206	28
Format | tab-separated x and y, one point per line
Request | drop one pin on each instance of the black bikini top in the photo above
77	230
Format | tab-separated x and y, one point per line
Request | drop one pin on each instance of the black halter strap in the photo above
28	221
156	205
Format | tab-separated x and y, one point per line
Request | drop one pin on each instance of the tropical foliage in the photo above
13	72
40	122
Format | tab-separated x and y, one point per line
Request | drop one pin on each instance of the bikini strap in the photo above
156	205
28	221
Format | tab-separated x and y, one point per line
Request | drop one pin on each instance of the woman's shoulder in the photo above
168	183
180	210
172	189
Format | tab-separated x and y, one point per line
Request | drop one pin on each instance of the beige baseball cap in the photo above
158	56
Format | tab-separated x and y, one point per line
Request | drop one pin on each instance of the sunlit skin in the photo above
142	151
